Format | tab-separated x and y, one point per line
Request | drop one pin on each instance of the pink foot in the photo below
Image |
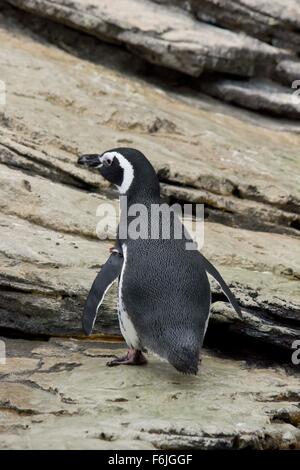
134	357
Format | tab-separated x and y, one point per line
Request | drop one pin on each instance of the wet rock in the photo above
251	407
28	401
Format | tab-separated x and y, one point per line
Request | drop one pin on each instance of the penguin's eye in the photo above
108	161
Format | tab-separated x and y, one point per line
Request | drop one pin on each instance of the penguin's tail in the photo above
185	360
217	276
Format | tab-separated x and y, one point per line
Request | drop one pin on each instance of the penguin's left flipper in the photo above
105	278
217	276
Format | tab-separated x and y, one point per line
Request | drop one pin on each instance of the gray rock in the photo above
288	72
60	395
232	210
161	35
259	95
276	22
45	276
37	200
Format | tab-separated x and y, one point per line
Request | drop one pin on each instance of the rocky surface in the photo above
203	154
273	21
162	35
288	72
62	387
257	94
243	39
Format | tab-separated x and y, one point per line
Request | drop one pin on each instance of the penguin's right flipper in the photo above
217	276
104	279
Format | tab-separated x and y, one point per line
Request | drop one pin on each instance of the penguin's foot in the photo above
134	357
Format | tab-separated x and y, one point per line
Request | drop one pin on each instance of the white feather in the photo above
101	300
126	326
127	168
208	317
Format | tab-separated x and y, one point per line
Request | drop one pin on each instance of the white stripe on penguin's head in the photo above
128	171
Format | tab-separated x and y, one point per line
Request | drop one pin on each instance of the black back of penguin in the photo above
167	296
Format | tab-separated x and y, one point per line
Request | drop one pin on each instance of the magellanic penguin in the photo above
164	292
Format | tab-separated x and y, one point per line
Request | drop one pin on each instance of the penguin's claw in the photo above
134	357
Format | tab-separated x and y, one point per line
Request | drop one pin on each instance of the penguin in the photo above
164	295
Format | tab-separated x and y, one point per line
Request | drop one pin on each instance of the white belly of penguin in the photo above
126	326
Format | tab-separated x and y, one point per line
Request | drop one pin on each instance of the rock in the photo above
25	156
37	200
276	22
46	281
288	72
75	402
259	95
228	209
162	35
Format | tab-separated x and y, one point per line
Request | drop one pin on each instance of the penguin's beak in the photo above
93	160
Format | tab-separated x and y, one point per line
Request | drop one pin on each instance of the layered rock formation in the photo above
273	21
163	36
242	39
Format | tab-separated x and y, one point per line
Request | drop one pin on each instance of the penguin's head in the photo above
126	168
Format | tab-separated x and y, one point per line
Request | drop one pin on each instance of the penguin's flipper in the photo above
217	276
104	279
